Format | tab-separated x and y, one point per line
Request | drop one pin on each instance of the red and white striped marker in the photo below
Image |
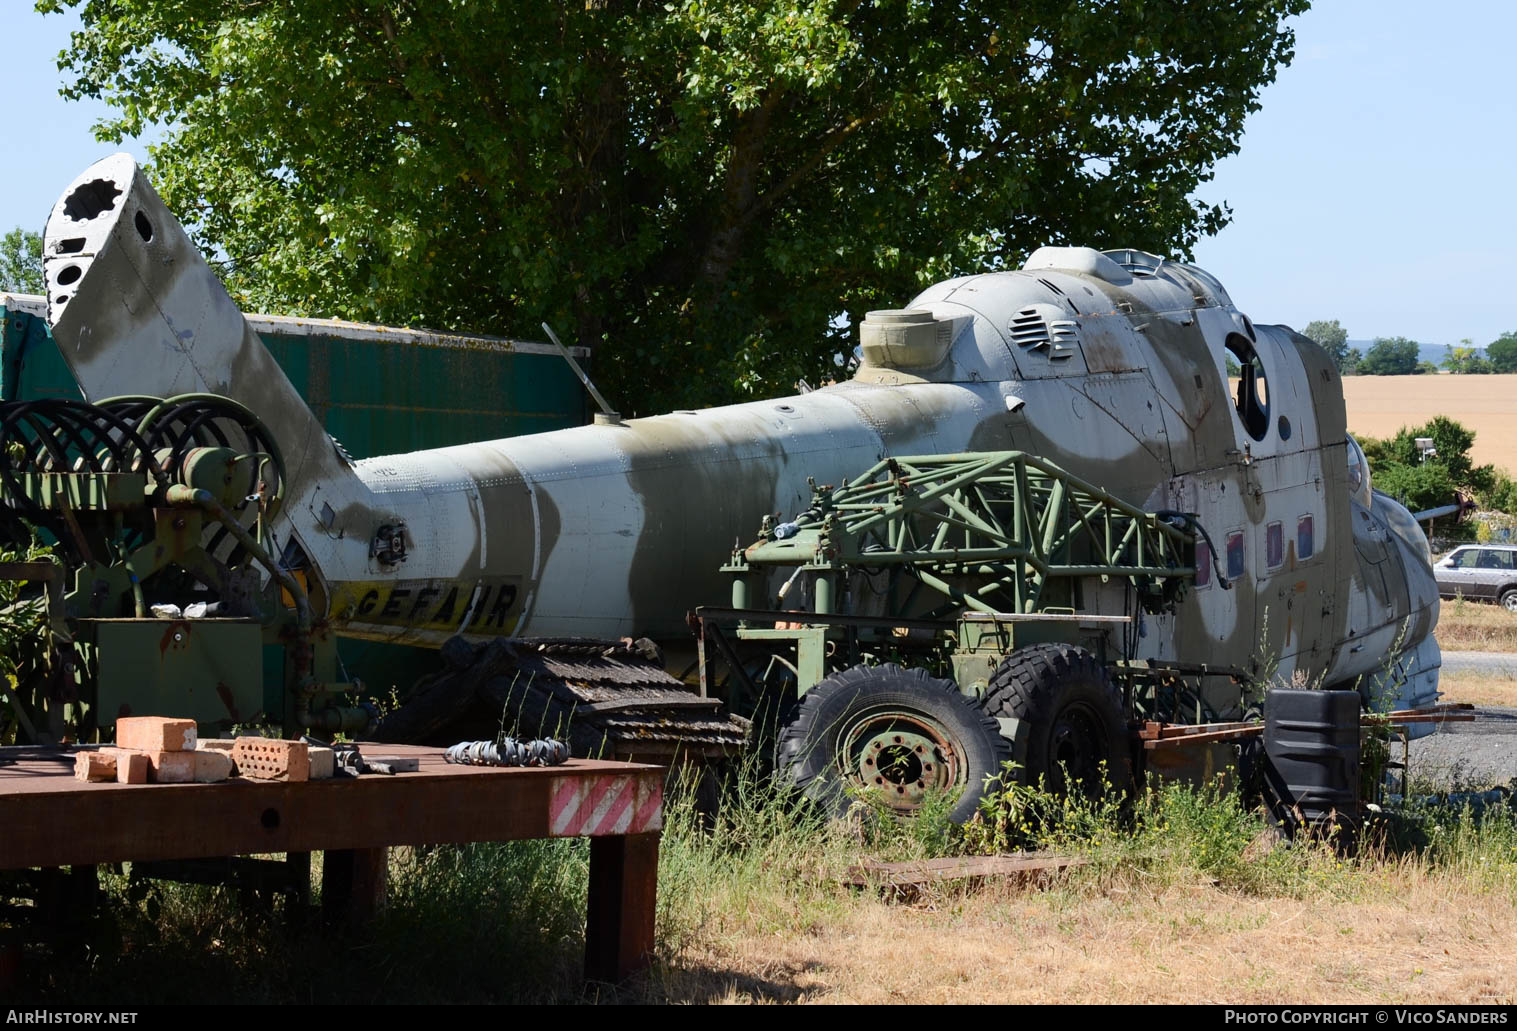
595	806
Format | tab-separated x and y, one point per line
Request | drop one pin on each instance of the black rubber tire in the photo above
1508	599
834	712
1074	714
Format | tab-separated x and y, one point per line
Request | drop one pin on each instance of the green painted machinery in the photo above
941	615
160	580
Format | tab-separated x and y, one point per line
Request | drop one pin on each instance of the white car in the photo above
1485	572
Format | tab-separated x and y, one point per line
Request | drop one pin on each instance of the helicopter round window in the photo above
1251	399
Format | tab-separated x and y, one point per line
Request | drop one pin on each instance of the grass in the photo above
1186	897
1481	689
1476	627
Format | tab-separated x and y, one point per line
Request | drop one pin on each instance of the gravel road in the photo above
1480	662
1474	755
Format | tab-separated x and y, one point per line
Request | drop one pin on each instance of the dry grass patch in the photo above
1481	689
1474	627
1405	937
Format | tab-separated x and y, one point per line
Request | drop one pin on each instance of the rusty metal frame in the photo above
353	820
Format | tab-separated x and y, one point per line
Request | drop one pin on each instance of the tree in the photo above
1391	356
1502	353
1333	339
696	189
21	262
1399	468
1465	359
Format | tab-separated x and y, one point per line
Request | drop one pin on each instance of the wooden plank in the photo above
1250	730
622	905
1169	730
921	873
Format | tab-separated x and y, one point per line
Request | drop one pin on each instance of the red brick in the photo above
212	766
265	758
155	734
170	767
94	766
131	767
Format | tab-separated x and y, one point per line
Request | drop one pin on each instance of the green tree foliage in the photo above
1465	358
21	262
1333	338
1502	353
697	189
1391	356
1398	468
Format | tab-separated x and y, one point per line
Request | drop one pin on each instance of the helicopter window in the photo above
1252	400
1203	566
1235	554
1305	544
1274	545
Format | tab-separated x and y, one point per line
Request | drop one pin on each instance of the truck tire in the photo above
1074	718
897	731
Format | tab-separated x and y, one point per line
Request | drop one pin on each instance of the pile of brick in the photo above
161	750
153	749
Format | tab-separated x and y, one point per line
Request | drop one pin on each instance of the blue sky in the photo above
1374	186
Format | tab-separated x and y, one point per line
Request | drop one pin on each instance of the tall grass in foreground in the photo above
504	923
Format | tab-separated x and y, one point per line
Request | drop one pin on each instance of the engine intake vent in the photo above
1056	339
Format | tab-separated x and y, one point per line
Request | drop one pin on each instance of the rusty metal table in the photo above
50	820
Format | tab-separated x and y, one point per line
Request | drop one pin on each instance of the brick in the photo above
212	766
271	759
219	744
170	767
131	767
94	766
155	734
323	762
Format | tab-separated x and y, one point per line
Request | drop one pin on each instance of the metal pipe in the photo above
605	408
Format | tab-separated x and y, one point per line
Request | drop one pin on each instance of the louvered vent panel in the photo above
1032	332
1028	329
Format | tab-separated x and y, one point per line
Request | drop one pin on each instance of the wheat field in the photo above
1378	406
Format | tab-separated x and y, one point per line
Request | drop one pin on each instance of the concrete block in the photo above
264	758
94	766
170	767
212	766
323	762
155	734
